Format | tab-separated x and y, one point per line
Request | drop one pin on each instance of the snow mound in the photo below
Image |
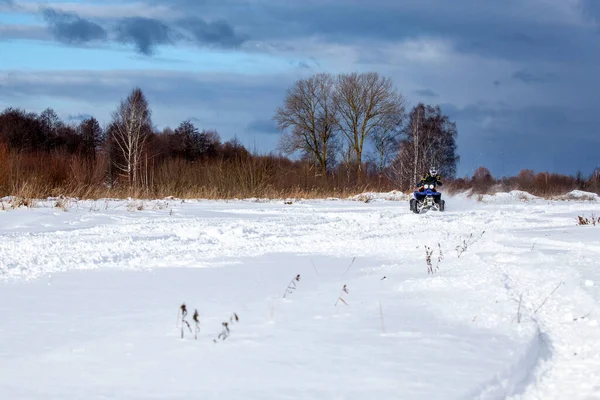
394	195
579	195
513	196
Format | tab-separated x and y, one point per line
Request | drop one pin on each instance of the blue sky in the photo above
519	77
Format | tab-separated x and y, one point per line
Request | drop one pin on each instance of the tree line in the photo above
128	138
350	132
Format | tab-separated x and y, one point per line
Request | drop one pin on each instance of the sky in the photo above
519	77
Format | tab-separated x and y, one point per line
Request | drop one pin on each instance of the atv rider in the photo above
431	178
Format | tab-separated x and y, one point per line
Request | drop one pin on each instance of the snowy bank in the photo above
579	195
394	195
514	196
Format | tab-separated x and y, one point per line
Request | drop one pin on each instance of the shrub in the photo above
482	181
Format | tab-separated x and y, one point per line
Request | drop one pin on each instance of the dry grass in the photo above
592	220
28	176
56	175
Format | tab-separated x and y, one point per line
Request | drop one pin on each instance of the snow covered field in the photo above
89	300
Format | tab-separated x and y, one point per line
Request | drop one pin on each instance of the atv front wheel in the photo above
415	207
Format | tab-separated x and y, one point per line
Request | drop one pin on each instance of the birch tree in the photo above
130	129
429	139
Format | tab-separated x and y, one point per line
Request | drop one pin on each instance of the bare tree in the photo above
386	139
429	139
366	102
309	111
131	127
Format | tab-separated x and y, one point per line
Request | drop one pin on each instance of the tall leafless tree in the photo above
429	139
366	102
386	139
130	129
309	110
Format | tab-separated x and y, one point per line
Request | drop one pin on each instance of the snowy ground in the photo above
89	300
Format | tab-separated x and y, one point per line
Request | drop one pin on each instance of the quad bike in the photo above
427	198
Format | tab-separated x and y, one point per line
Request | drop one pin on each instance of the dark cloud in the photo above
511	29
528	77
508	139
9	3
144	33
262	126
591	10
219	33
71	28
426	93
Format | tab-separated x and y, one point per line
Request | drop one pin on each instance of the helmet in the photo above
432	171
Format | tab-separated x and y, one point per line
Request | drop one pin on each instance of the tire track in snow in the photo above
516	378
568	360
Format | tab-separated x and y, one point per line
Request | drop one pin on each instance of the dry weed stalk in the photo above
428	253
314	267
381	317
547	297
341	296
291	286
593	220
582	317
196	324
460	249
225	332
348	269
183	321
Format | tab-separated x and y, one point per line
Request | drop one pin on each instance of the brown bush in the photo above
525	180
482	181
546	184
